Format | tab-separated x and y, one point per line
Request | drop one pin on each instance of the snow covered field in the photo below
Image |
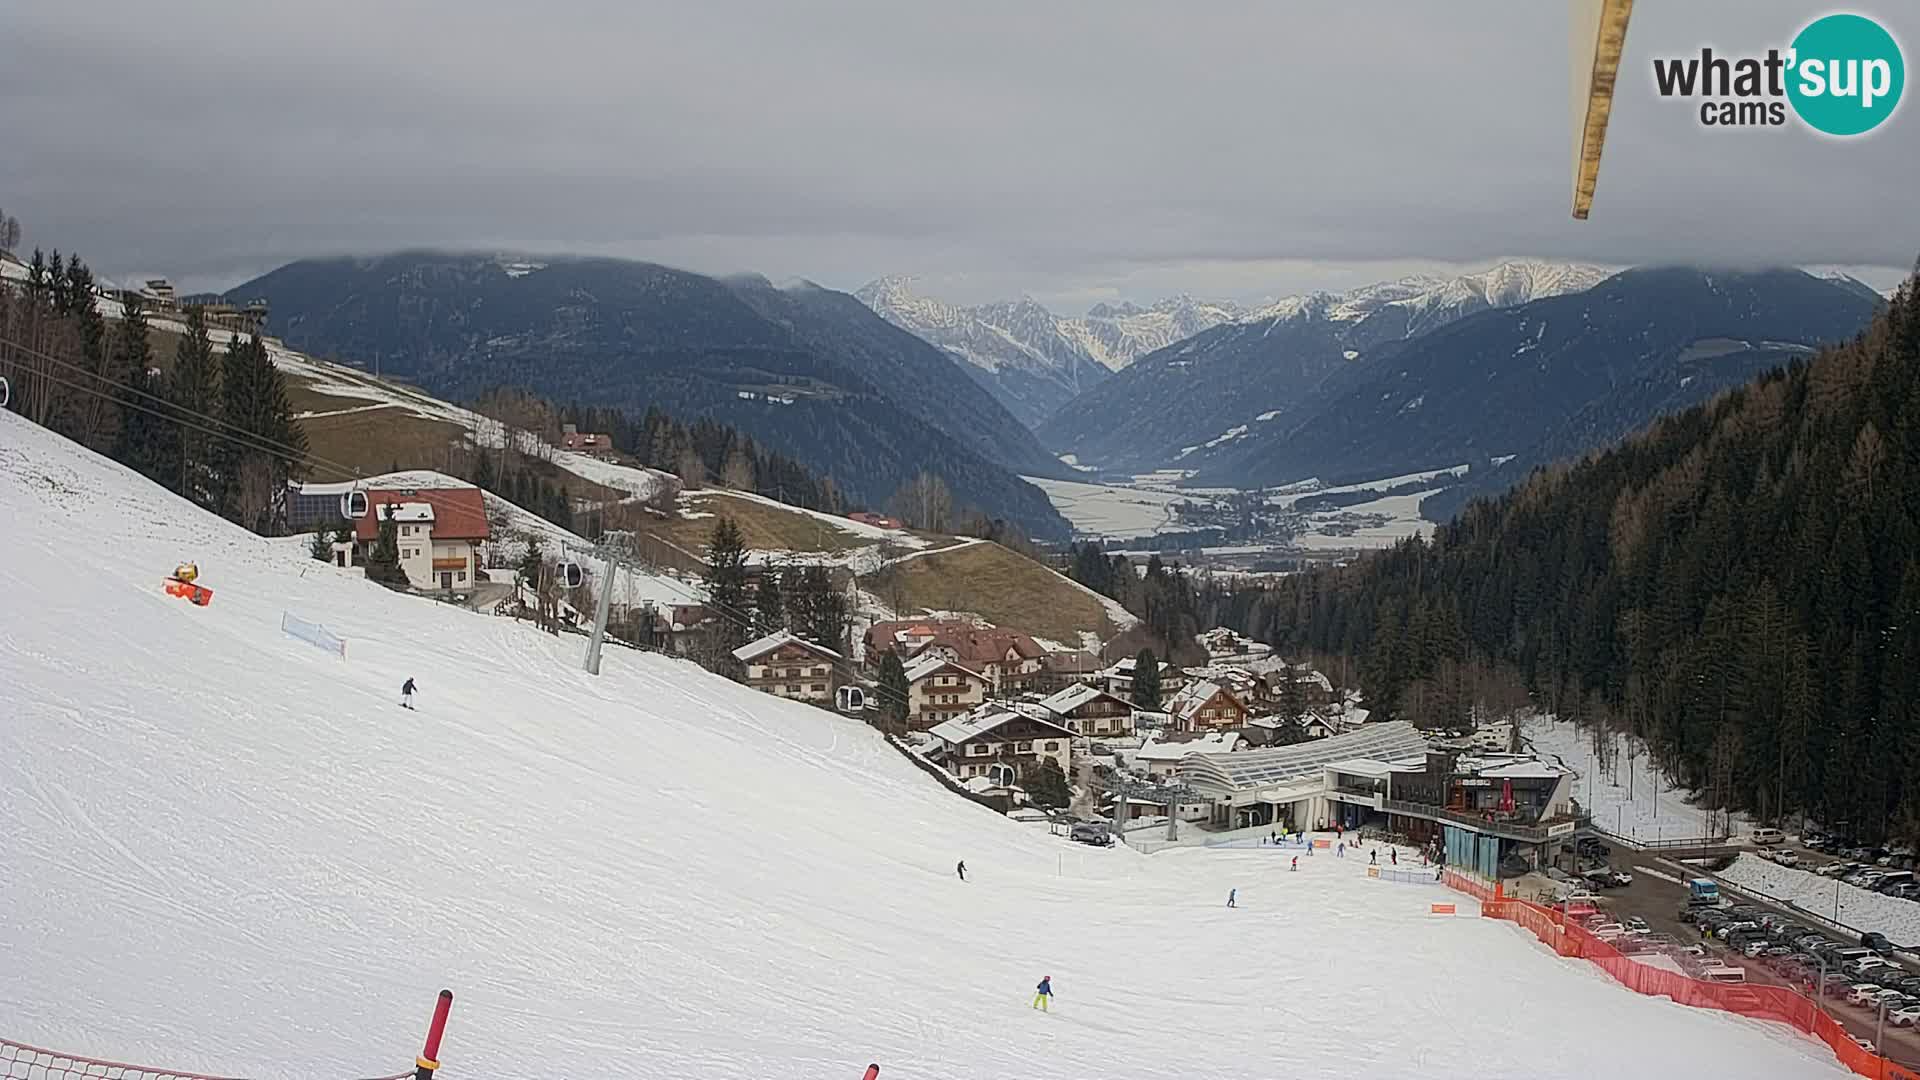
1627	799
227	851
1862	909
1146	508
1109	511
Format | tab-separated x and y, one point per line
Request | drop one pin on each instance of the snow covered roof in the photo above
411	512
1219	742
1257	768
1193	696
927	665
1525	770
975	724
1372	767
1073	697
774	641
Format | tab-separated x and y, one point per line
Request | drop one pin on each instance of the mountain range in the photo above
1215	387
804	370
1031	359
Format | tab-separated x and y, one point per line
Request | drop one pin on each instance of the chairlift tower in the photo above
1169	795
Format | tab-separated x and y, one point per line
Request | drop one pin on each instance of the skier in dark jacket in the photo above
406	694
961	869
1043	993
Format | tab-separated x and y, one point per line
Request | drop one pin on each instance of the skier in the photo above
1296	862
1341	851
1043	993
1393	855
406	694
961	869
1373	857
1232	895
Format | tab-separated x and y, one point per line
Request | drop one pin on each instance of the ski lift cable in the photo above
237	435
138	392
248	440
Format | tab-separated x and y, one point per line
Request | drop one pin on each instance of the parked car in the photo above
1877	942
1767	836
1859	993
1905	1016
1865	1044
1787	857
1752	949
1591	847
1091	833
1832	869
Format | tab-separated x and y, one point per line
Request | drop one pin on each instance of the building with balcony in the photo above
790	667
1089	710
999	744
939	690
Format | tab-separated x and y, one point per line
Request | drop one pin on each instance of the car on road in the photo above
1876	941
1767	836
1787	857
1905	1016
1637	924
1591	847
1865	1044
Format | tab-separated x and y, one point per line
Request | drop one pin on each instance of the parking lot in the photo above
1658	895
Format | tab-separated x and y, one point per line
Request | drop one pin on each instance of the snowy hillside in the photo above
229	852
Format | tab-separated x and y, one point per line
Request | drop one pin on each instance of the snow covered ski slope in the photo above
227	851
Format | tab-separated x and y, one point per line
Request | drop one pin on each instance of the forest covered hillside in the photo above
1739	584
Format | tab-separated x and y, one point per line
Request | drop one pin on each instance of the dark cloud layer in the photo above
1071	148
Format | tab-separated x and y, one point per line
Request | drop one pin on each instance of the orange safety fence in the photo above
1776	1003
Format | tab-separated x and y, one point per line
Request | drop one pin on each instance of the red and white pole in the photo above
429	1058
873	1072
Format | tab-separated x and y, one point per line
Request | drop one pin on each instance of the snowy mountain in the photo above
1270	361
806	371
230	852
1544	380
1031	359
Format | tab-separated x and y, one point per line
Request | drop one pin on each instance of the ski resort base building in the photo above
1493	813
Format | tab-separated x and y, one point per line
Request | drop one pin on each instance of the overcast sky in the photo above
1074	150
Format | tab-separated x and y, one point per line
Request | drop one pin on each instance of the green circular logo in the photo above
1847	74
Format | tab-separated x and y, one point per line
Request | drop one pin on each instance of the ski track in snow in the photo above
229	852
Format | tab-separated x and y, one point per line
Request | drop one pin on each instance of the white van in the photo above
1768	837
1724	974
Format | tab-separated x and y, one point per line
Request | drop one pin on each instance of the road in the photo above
1657	895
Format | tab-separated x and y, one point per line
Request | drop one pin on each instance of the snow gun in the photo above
181	583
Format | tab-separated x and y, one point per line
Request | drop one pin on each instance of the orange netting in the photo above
1776	1003
19	1061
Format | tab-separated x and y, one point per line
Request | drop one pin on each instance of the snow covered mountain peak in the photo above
1427	299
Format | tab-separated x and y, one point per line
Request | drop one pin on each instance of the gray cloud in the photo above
1073	149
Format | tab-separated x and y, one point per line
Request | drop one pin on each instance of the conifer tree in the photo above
892	689
1146	680
383	562
769	605
193	387
726	582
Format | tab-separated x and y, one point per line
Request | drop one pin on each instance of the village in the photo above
1242	746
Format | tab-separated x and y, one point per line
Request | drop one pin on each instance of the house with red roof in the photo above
439	531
